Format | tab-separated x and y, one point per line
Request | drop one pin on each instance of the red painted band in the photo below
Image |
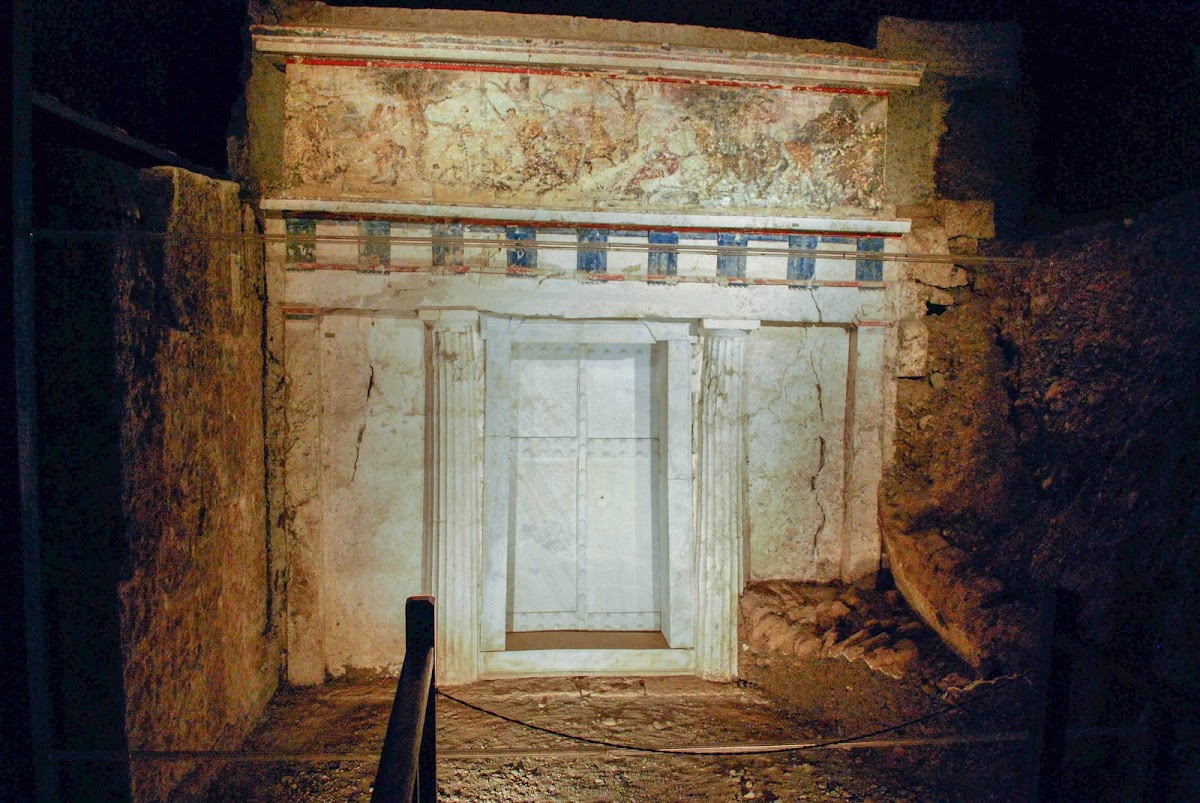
493	68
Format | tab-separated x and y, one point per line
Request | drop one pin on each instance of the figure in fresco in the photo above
761	157
313	155
628	124
598	145
502	165
799	156
454	162
761	161
382	135
548	158
835	125
662	164
413	92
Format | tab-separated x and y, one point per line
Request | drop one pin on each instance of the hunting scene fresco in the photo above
579	142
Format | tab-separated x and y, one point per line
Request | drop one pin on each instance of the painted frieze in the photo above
436	134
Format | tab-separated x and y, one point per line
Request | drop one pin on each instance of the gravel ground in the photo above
782	699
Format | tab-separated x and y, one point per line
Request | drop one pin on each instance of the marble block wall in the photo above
357	542
356	473
795	452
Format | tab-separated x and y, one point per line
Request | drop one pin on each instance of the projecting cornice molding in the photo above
782	71
576	218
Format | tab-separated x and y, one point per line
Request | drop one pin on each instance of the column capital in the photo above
449	318
728	327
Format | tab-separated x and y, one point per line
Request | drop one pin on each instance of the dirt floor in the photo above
780	699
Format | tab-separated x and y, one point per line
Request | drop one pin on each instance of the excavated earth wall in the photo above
1053	443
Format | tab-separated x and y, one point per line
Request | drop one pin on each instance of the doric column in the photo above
719	510
452	515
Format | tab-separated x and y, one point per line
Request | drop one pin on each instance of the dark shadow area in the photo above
79	449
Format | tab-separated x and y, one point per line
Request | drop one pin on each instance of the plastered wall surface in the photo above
372	484
795	422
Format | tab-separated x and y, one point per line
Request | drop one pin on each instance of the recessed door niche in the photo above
578	520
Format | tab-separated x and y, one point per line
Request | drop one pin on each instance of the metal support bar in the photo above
1048	741
408	761
51	104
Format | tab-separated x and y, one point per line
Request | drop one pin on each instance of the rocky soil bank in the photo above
1053	442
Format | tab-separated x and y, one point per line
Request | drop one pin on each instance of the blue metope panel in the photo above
374	248
447	244
301	240
592	260
869	270
731	264
665	262
801	267
522	257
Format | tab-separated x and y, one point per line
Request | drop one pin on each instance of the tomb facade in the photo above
578	336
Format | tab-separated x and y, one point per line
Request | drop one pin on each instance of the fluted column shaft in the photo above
452	517
719	510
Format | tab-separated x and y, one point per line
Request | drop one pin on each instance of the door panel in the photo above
617	387
619	553
546	390
584	520
543	580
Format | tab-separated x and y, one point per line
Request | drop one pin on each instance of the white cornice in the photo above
776	69
583	218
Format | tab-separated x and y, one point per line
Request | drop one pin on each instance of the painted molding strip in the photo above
779	68
591	219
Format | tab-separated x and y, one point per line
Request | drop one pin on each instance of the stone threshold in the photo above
585	640
552	662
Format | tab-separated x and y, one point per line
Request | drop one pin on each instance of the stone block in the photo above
827	614
856	651
966	246
935	296
200	656
794	504
769	630
892	660
912	349
808	647
985	51
942	275
932	240
975	219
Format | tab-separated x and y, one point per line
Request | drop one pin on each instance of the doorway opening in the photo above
585	530
587	510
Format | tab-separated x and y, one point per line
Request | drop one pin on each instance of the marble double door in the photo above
585	520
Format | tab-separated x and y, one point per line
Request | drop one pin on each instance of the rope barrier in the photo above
740	749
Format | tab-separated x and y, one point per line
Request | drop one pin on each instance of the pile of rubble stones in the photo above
856	622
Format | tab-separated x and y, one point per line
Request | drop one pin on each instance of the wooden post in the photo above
1048	739
407	763
427	759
